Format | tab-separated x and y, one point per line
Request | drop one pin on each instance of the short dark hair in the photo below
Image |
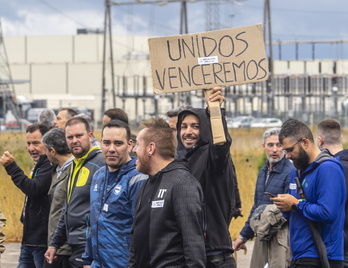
69	111
117	113
330	130
76	120
47	118
55	138
295	130
118	124
37	126
159	132
177	110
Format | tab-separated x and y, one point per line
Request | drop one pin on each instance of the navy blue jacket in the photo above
278	183
111	216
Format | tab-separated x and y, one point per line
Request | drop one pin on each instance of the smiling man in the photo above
113	196
35	187
272	178
212	165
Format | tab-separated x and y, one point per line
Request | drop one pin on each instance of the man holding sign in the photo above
200	61
212	165
226	57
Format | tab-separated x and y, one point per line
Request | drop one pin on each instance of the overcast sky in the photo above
291	20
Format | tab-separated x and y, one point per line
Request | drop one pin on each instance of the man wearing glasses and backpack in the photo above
316	199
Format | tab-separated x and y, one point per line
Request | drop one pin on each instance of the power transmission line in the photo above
62	13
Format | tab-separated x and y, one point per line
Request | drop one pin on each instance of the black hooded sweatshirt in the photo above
167	229
343	155
212	165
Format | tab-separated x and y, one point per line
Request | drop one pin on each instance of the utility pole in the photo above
268	30
183	18
107	38
185	97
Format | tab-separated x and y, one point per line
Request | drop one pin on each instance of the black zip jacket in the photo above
36	210
212	165
343	155
167	230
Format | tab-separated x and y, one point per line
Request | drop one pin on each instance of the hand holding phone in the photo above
271	195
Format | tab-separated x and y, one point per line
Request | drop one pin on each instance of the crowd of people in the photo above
166	197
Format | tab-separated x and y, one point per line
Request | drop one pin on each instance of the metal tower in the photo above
7	91
212	15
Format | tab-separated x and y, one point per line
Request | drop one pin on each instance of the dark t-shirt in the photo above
111	179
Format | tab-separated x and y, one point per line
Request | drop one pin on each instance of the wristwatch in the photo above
294	207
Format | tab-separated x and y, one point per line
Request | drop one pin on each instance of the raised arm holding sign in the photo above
205	60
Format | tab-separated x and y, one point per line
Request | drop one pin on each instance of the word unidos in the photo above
234	65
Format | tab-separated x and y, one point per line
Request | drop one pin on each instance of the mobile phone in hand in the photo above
271	195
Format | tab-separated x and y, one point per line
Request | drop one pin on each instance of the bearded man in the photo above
316	200
273	178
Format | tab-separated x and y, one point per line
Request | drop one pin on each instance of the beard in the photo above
302	161
143	165
275	160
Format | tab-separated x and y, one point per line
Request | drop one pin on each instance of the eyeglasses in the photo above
289	150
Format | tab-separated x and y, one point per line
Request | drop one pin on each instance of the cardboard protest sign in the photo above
226	57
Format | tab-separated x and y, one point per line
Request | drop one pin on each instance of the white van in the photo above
33	114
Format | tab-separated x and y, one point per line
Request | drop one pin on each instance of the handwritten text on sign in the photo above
218	58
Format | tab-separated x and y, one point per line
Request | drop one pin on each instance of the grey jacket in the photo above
268	222
57	197
272	238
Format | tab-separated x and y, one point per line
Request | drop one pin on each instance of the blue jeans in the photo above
31	257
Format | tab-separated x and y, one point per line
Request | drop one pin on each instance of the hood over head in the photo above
205	134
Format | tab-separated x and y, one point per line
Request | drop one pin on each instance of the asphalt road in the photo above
9	258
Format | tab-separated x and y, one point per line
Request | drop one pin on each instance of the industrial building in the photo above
67	71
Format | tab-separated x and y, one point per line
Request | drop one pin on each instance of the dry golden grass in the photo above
246	152
11	198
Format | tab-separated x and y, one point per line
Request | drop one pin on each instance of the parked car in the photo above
239	121
266	122
13	124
